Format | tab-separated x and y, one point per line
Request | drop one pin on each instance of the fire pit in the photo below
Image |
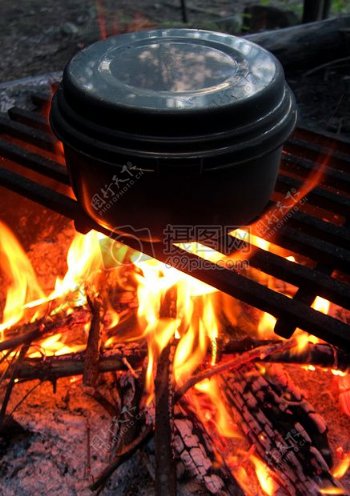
177	368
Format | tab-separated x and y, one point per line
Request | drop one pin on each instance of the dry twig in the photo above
91	370
237	362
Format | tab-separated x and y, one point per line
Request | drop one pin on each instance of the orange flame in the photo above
219	416
25	299
332	490
23	282
341	468
193	323
264	476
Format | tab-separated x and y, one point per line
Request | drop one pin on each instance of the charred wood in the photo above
284	428
165	482
165	467
194	450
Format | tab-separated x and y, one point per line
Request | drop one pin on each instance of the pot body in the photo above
143	203
173	127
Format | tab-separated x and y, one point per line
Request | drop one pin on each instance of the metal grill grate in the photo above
318	231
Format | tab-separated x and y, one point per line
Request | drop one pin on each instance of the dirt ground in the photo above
38	36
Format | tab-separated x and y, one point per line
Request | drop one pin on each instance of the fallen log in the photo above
54	367
130	428
305	46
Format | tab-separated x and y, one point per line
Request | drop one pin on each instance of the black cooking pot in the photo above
175	126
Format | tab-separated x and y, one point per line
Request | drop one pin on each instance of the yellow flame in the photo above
84	259
220	415
253	239
338	373
264	476
321	304
332	490
339	470
193	322
26	299
23	282
266	325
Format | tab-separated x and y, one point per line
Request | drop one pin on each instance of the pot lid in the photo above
173	73
173	69
174	94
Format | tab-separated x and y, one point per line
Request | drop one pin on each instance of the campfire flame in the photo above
23	285
173	309
264	476
332	490
341	468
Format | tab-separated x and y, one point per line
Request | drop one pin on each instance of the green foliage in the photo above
340	7
295	6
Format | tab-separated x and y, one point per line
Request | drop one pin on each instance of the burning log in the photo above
49	324
53	367
165	467
164	405
319	355
12	370
194	449
234	364
283	427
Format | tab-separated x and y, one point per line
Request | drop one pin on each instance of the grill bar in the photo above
325	243
318	197
303	295
34	162
340	235
28	118
300	242
30	135
317	152
228	281
312	280
40	99
46	197
333	177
